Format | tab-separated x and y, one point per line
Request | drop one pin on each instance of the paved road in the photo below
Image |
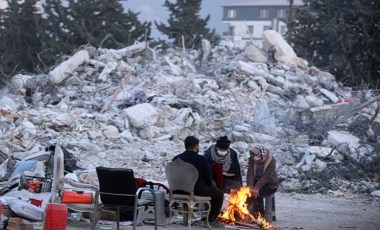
112	226
296	211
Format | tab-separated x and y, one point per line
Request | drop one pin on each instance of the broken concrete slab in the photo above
141	115
62	71
336	137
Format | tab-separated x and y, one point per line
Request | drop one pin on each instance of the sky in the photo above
152	10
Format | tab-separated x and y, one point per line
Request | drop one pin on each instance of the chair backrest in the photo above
58	172
181	176
116	186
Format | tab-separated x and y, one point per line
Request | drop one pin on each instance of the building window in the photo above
264	13
231	30
283	30
250	30
267	28
281	13
231	13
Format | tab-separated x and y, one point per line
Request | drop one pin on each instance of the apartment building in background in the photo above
248	21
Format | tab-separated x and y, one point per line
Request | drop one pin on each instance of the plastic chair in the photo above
117	188
58	187
182	176
146	214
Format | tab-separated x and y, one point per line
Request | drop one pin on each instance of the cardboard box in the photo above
6	211
16	223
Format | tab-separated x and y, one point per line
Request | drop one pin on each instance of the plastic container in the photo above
80	197
55	217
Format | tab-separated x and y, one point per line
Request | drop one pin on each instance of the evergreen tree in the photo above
340	37
57	36
103	23
70	24
19	39
184	21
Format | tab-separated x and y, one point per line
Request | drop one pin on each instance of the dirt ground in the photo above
299	211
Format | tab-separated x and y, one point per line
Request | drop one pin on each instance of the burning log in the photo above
237	210
247	225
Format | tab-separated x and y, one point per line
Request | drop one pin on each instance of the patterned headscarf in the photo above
263	152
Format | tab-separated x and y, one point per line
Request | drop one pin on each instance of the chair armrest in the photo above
79	185
142	189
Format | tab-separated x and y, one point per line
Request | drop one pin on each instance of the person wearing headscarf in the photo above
261	177
224	165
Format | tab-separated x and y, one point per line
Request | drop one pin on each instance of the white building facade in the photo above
248	21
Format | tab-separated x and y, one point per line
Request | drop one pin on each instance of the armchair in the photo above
182	176
117	188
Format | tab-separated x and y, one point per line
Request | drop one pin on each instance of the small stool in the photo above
270	208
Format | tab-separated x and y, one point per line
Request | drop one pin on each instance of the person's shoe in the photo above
216	224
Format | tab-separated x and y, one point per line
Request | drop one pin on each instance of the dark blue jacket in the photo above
201	164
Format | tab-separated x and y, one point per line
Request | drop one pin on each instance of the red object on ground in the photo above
55	217
80	197
35	186
36	202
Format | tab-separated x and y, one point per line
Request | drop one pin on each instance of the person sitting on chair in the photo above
261	177
224	164
203	186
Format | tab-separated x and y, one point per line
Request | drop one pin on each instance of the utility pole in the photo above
290	10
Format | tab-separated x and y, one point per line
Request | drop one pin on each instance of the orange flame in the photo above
237	209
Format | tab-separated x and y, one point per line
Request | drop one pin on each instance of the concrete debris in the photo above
62	71
283	52
206	48
336	137
141	115
376	193
133	107
253	54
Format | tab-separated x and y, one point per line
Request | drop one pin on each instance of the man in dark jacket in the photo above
261	177
203	186
224	164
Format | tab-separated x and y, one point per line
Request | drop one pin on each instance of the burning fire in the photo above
237	209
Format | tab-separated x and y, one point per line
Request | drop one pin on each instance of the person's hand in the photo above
255	193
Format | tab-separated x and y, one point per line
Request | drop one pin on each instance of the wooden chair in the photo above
182	176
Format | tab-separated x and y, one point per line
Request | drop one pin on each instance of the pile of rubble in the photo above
133	107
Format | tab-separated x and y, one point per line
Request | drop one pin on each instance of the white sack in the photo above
26	209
